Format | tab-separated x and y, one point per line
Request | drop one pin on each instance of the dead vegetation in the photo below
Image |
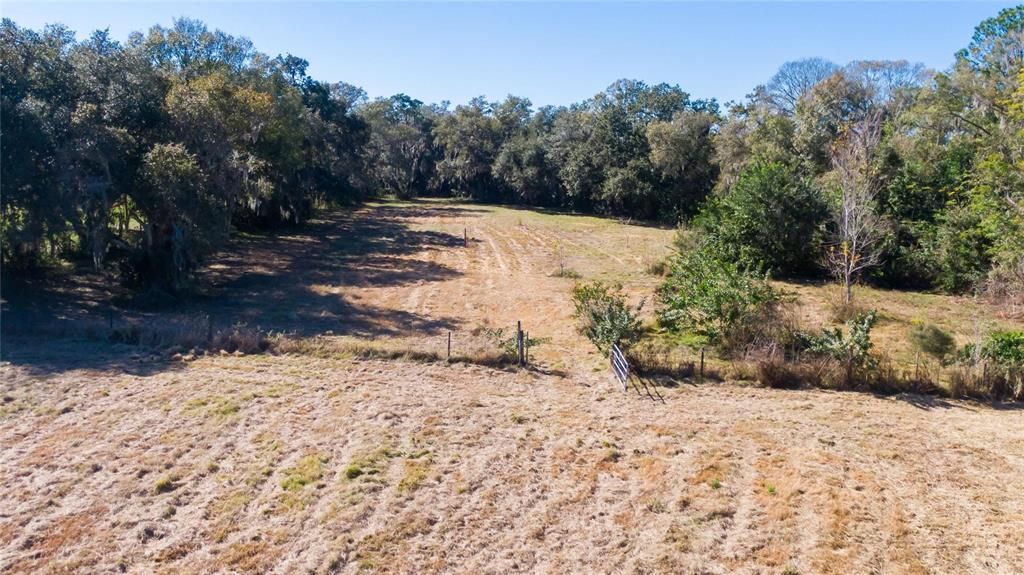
315	423
238	463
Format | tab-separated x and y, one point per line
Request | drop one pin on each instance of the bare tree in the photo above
795	79
891	83
858	227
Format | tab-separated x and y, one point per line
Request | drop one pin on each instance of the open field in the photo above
116	460
402	272
290	464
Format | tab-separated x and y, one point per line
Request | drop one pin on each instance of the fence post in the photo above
702	365
465	237
519	342
526	348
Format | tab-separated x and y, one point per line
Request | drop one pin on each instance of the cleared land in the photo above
112	460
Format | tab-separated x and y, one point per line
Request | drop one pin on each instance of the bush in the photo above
962	250
851	350
1001	348
770	218
507	342
932	340
714	298
604	316
1005	348
993	370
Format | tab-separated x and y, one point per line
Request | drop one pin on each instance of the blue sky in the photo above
553	53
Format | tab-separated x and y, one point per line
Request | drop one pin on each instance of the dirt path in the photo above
288	464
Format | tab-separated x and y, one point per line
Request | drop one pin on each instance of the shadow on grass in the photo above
46	356
928	402
548	211
289	282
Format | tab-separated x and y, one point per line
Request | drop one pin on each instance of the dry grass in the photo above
465	468
332	436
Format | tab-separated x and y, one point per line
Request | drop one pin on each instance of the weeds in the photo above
309	469
652	357
165	484
839	309
415	474
656	506
657	267
507	343
564	272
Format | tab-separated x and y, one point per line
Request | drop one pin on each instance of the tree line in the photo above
143	156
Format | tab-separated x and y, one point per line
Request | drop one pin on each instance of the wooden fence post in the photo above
465	237
519	342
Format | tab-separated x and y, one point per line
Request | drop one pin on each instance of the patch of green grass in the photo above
212	406
715	483
770	489
372	463
165	484
308	469
415	474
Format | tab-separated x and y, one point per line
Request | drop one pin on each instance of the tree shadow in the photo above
925	402
928	402
288	282
51	356
549	211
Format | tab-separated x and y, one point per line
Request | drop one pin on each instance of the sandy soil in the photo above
287	465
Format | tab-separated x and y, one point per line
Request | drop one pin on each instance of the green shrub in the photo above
1001	348
771	218
604	316
932	340
962	250
713	297
1005	348
506	341
852	350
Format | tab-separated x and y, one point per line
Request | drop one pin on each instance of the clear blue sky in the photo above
551	53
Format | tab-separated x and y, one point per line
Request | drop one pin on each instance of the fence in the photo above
623	373
620	366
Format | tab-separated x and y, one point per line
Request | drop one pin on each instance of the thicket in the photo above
144	156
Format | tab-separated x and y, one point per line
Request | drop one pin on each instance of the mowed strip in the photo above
288	463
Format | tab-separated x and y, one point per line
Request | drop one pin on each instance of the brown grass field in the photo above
114	458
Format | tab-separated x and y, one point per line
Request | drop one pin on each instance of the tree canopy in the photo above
144	156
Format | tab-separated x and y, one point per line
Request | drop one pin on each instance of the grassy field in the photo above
114	458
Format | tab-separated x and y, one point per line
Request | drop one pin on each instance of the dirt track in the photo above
468	470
